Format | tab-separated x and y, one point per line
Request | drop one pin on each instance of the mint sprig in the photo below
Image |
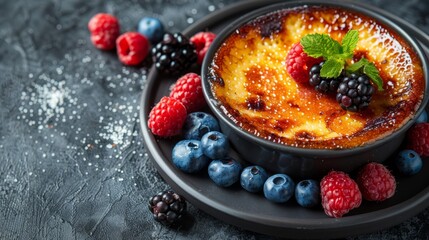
336	54
332	67
349	42
320	45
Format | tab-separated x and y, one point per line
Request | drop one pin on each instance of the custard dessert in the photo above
250	83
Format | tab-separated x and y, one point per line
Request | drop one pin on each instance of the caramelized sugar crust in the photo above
248	77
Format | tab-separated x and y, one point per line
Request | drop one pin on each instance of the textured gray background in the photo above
72	162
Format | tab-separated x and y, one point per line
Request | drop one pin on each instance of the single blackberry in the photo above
321	84
355	92
174	54
167	207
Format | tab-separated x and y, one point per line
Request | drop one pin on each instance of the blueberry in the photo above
279	188
188	156
408	162
423	117
307	193
215	145
253	178
224	172
199	123
152	28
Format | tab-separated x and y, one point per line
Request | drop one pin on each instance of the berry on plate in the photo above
339	194
188	156
202	42
199	123
132	48
174	54
418	139
224	172
307	193
166	119
152	28
189	91
252	178
408	162
104	29
279	188
298	63
215	145
167	207
376	182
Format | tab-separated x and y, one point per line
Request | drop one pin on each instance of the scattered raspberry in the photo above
376	182
132	48
104	30
167	117
189	91
298	63
418	139
339	194
202	42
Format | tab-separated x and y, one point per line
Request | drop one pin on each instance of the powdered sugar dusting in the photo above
46	101
120	133
101	127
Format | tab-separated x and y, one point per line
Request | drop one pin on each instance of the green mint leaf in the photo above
331	68
335	54
350	41
372	72
369	69
320	45
344	56
357	66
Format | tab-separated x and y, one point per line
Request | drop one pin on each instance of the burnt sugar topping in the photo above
250	80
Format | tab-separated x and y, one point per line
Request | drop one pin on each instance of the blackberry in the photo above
174	54
355	92
167	207
321	84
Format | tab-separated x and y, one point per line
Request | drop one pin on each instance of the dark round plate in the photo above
252	211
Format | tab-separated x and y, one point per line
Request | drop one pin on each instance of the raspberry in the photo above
202	42
298	63
166	119
376	182
132	48
189	91
418	139
174	54
339	194
167	207
104	30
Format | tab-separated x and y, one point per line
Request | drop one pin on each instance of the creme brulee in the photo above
248	78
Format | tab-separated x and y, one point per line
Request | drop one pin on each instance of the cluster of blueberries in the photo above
204	145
